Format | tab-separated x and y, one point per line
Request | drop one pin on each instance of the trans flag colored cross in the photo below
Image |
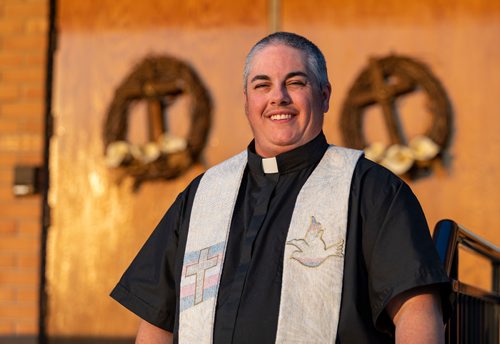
201	274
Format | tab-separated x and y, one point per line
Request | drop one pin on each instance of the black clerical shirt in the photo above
388	251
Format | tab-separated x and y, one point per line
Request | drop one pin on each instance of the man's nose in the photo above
280	96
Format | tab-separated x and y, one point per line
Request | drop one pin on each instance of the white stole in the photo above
313	262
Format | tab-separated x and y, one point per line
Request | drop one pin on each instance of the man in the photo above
292	240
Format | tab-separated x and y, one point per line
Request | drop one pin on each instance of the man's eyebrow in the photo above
288	76
298	73
260	77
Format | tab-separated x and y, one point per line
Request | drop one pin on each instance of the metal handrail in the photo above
476	314
478	244
448	235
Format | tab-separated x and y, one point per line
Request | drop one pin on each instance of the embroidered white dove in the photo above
312	250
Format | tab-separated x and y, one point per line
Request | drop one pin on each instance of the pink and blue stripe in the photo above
211	276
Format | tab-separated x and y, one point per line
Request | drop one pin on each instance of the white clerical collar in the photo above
270	165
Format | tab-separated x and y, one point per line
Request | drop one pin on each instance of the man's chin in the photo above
276	148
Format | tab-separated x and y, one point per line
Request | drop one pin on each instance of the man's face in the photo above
283	101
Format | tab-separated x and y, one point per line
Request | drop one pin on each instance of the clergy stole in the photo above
313	262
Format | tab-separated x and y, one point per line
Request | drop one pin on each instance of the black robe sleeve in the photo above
397	247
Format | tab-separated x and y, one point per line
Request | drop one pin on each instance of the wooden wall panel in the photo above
458	40
106	15
98	225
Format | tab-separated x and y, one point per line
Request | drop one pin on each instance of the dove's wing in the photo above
301	244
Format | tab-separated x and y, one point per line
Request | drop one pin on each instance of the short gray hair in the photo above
315	59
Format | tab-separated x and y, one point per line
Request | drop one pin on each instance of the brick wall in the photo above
23	41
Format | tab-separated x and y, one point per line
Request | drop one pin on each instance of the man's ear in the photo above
326	92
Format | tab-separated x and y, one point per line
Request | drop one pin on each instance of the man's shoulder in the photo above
192	187
230	162
187	195
370	178
367	169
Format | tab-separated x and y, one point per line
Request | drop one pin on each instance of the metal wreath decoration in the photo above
159	80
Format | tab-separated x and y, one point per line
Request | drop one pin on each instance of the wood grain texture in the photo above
97	15
93	238
459	42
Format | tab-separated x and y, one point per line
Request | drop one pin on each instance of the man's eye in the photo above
261	86
296	83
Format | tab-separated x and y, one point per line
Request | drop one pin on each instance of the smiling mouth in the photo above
281	116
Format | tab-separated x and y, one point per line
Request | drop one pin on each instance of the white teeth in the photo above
281	116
